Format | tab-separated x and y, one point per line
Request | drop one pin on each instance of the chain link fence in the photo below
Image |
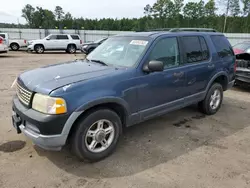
31	34
92	35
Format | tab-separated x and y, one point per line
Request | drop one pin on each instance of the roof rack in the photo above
183	29
193	29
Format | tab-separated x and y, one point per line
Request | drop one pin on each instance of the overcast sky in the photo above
11	11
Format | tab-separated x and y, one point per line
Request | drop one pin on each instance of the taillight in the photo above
80	41
1	41
25	41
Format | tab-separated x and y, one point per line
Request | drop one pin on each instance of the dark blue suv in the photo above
126	80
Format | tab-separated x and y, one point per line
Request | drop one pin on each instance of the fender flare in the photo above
222	73
79	111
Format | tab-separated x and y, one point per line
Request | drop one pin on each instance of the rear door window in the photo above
75	37
222	46
62	37
196	49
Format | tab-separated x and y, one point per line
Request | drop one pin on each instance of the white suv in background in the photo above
69	43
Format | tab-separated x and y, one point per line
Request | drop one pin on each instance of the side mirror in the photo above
154	66
47	38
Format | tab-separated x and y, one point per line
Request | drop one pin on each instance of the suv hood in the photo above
46	79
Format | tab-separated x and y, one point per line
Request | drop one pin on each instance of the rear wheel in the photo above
71	49
212	103
14	46
39	48
96	135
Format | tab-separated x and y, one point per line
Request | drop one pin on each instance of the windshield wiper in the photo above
98	61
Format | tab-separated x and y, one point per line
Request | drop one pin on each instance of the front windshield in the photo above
120	51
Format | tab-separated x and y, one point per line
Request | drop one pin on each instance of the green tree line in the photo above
224	15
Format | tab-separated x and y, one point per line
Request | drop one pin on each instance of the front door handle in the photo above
178	74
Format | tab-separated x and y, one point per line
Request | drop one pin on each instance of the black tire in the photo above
205	106
78	138
39	49
14	46
71	49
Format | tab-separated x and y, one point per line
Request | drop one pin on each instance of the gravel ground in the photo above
182	149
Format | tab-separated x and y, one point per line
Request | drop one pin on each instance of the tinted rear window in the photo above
75	37
2	35
62	37
222	46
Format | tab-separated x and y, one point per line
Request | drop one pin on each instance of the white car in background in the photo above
69	43
14	44
3	45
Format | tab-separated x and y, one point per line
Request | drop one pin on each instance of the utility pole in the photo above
226	14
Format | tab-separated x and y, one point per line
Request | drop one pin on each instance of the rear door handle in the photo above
178	74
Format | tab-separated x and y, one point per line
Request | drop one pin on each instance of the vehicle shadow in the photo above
8	56
242	88
158	141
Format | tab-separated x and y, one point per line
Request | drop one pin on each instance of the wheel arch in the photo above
15	43
72	44
39	44
221	78
115	104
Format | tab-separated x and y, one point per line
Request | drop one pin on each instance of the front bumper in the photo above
243	75
44	130
30	47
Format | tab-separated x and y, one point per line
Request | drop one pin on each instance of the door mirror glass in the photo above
154	66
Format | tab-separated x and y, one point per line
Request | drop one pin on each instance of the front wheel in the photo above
39	49
96	135
212	103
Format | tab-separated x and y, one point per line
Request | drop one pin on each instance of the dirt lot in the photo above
182	149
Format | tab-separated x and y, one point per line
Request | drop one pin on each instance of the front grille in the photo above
24	95
243	64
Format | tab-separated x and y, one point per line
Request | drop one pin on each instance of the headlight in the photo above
49	105
84	46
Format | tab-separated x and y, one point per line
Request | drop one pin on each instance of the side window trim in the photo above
209	54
